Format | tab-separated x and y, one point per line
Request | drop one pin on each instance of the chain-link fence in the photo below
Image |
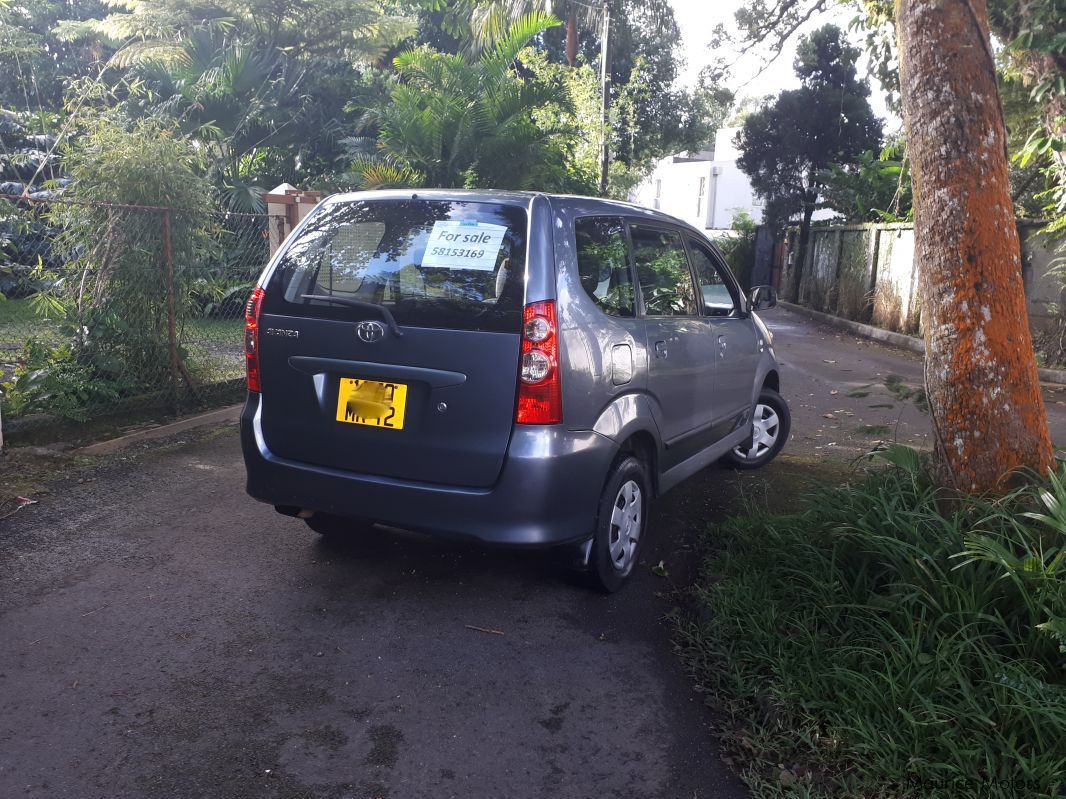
111	309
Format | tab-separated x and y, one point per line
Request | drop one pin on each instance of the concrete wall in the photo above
867	273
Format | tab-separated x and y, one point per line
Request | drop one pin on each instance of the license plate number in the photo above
371	403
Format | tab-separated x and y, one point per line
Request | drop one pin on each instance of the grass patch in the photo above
885	405
859	393
903	392
18	322
874	646
221	330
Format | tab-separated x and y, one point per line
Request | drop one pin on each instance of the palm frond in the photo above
372	173
518	35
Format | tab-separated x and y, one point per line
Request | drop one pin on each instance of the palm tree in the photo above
233	73
490	19
453	121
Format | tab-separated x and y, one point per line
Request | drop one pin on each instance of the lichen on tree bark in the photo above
981	378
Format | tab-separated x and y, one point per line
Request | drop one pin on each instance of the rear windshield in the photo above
458	265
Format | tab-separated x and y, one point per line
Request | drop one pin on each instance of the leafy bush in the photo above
116	288
739	248
56	381
455	121
875	645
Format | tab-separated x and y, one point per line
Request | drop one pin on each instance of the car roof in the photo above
575	203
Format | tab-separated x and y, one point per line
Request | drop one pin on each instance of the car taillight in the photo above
540	399
251	338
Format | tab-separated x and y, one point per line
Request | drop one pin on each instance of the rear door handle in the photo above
660	350
722	345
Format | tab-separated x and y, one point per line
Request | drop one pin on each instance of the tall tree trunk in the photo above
980	372
801	249
571	38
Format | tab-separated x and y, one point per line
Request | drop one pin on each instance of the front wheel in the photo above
771	423
620	524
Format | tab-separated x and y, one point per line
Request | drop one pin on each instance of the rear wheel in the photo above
620	524
771	423
337	527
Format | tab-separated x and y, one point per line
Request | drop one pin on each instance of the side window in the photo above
663	272
718	299
603	263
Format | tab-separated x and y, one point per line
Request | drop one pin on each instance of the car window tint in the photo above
603	263
663	272
432	263
718	299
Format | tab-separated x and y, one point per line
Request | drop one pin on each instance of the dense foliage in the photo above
277	91
111	286
452	120
788	144
1032	70
876	645
876	188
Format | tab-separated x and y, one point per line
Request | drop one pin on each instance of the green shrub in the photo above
739	248
876	646
56	381
115	287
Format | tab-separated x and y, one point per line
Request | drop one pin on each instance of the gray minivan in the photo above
516	368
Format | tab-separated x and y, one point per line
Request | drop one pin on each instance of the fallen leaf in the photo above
483	629
828	416
659	569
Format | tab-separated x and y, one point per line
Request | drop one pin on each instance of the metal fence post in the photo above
172	322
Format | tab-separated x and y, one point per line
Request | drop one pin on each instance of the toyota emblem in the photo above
370	331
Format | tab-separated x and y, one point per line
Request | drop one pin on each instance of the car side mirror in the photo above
762	298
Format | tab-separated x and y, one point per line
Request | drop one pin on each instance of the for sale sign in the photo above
464	245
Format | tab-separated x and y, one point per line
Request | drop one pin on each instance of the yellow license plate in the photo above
372	403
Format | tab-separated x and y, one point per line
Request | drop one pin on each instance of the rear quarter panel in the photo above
591	400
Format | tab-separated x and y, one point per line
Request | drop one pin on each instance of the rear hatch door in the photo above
389	339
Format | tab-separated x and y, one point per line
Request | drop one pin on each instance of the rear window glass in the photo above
458	265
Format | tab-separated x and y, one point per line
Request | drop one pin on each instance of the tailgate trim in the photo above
437	378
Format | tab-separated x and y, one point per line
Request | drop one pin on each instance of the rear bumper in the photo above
546	494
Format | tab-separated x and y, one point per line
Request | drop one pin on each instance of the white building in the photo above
705	189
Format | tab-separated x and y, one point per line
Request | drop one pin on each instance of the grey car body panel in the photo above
547	487
620	412
547	492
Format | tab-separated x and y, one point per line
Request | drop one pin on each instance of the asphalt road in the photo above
164	636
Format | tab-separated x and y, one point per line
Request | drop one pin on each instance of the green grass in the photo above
875	646
902	392
18	322
214	348
231	330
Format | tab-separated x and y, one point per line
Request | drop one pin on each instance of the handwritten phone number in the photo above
455	252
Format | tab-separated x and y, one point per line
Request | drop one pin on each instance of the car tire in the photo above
337	528
772	423
621	524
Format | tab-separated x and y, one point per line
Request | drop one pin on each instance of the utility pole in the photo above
605	95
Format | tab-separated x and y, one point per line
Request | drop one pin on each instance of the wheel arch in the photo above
628	421
641	444
772	380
